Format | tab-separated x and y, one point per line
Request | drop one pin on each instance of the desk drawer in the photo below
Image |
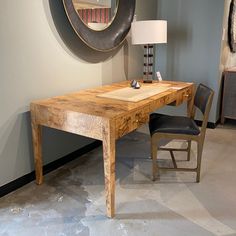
183	96
132	121
141	117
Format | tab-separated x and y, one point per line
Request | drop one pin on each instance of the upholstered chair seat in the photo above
172	124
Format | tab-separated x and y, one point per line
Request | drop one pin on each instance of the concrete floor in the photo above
72	202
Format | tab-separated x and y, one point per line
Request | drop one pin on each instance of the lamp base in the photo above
147	81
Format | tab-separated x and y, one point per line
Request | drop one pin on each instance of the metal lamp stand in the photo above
148	63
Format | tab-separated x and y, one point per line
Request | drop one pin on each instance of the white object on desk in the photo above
159	75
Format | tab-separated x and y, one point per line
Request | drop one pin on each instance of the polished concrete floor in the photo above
72	202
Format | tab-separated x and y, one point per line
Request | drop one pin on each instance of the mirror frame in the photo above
109	38
231	29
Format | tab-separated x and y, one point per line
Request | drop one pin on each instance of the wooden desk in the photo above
84	113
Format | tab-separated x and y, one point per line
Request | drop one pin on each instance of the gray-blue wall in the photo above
40	57
194	43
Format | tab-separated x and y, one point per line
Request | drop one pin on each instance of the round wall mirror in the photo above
232	26
96	14
100	24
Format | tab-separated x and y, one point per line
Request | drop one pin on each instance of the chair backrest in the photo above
203	100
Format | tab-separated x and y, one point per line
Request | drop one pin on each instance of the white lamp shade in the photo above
149	32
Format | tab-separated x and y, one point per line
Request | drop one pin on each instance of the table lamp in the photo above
148	33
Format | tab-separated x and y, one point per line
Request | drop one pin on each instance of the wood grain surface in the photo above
86	113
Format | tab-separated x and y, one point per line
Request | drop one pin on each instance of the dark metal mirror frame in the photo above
109	38
231	26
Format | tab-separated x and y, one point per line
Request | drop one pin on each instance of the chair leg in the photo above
154	158
199	160
173	159
189	150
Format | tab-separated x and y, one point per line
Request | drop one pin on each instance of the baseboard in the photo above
15	184
210	125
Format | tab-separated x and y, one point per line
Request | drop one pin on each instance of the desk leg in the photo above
190	110
37	146
109	167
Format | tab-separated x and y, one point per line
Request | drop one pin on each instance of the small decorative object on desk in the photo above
159	76
135	84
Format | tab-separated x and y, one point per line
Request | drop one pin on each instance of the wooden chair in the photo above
181	128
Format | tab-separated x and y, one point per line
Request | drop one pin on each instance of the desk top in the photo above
88	102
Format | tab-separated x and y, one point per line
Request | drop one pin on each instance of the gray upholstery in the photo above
172	124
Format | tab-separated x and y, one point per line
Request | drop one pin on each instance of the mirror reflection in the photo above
96	14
